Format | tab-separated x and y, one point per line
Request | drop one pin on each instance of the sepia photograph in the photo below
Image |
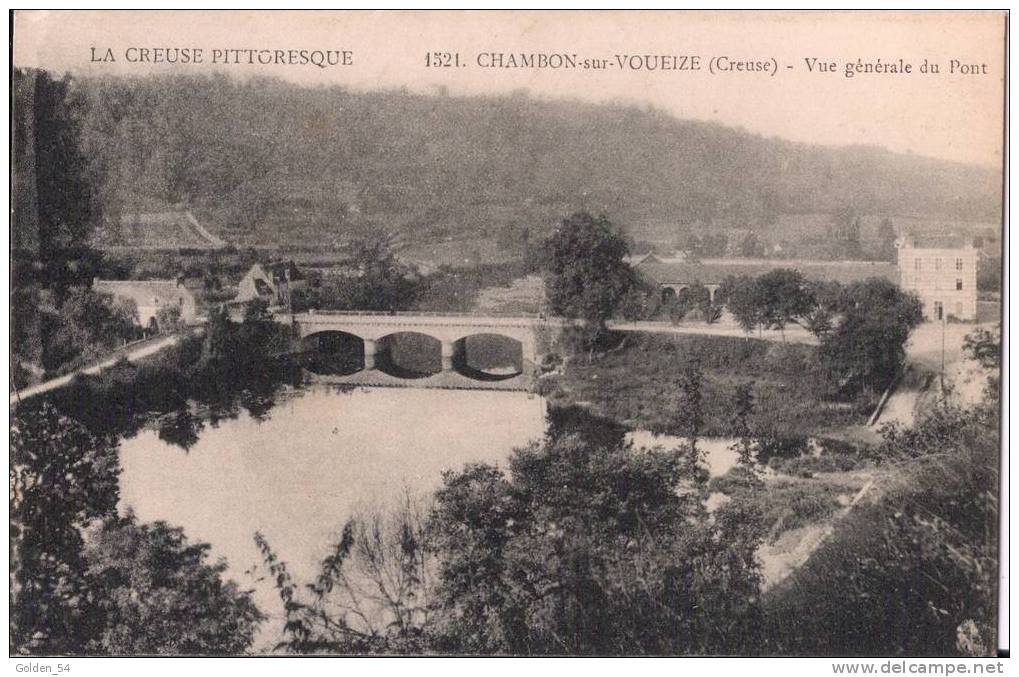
508	333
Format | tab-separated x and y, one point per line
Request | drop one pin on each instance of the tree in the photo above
989	273
85	581
157	594
374	593
984	346
829	300
87	325
845	233
169	319
380	281
691	414
886	240
585	274
217	347
742	410
867	349
783	297
696	296
62	177
743	299
590	549
636	303
62	477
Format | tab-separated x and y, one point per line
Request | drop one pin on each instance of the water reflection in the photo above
321	456
295	464
718	455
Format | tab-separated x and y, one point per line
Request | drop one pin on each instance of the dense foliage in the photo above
271	161
639	381
62	477
373	279
862	327
233	366
867	348
586	546
158	595
57	321
914	571
84	581
585	274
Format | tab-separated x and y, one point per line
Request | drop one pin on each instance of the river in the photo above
320	456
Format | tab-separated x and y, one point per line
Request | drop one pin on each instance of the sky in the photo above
951	116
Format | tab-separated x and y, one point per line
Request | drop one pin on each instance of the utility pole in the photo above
942	356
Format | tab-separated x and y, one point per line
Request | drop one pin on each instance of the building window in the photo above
958	284
937	263
958	264
916	263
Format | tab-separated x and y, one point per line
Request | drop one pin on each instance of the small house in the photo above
271	282
151	296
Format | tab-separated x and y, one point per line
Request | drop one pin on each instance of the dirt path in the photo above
793	548
900	407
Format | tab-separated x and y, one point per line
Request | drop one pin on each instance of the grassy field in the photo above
637	383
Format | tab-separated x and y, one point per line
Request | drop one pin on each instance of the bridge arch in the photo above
333	352
410	345
409	354
488	356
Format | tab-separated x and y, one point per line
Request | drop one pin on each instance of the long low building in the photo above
673	275
940	271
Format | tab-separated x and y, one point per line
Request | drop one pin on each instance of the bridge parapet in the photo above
447	328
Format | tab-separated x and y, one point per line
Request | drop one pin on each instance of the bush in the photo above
775	445
920	563
807	466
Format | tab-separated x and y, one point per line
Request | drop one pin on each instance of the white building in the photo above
149	296
944	277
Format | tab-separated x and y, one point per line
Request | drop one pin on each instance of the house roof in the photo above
710	271
141	291
938	242
277	270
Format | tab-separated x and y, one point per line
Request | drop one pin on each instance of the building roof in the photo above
709	271
936	242
141	291
277	270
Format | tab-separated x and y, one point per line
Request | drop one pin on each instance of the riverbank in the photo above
132	353
636	383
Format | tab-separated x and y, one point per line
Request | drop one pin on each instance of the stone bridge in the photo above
449	329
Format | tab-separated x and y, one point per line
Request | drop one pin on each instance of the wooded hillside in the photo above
264	162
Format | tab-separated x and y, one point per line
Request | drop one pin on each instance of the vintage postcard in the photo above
507	333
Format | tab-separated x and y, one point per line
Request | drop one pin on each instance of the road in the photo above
793	333
930	346
148	348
